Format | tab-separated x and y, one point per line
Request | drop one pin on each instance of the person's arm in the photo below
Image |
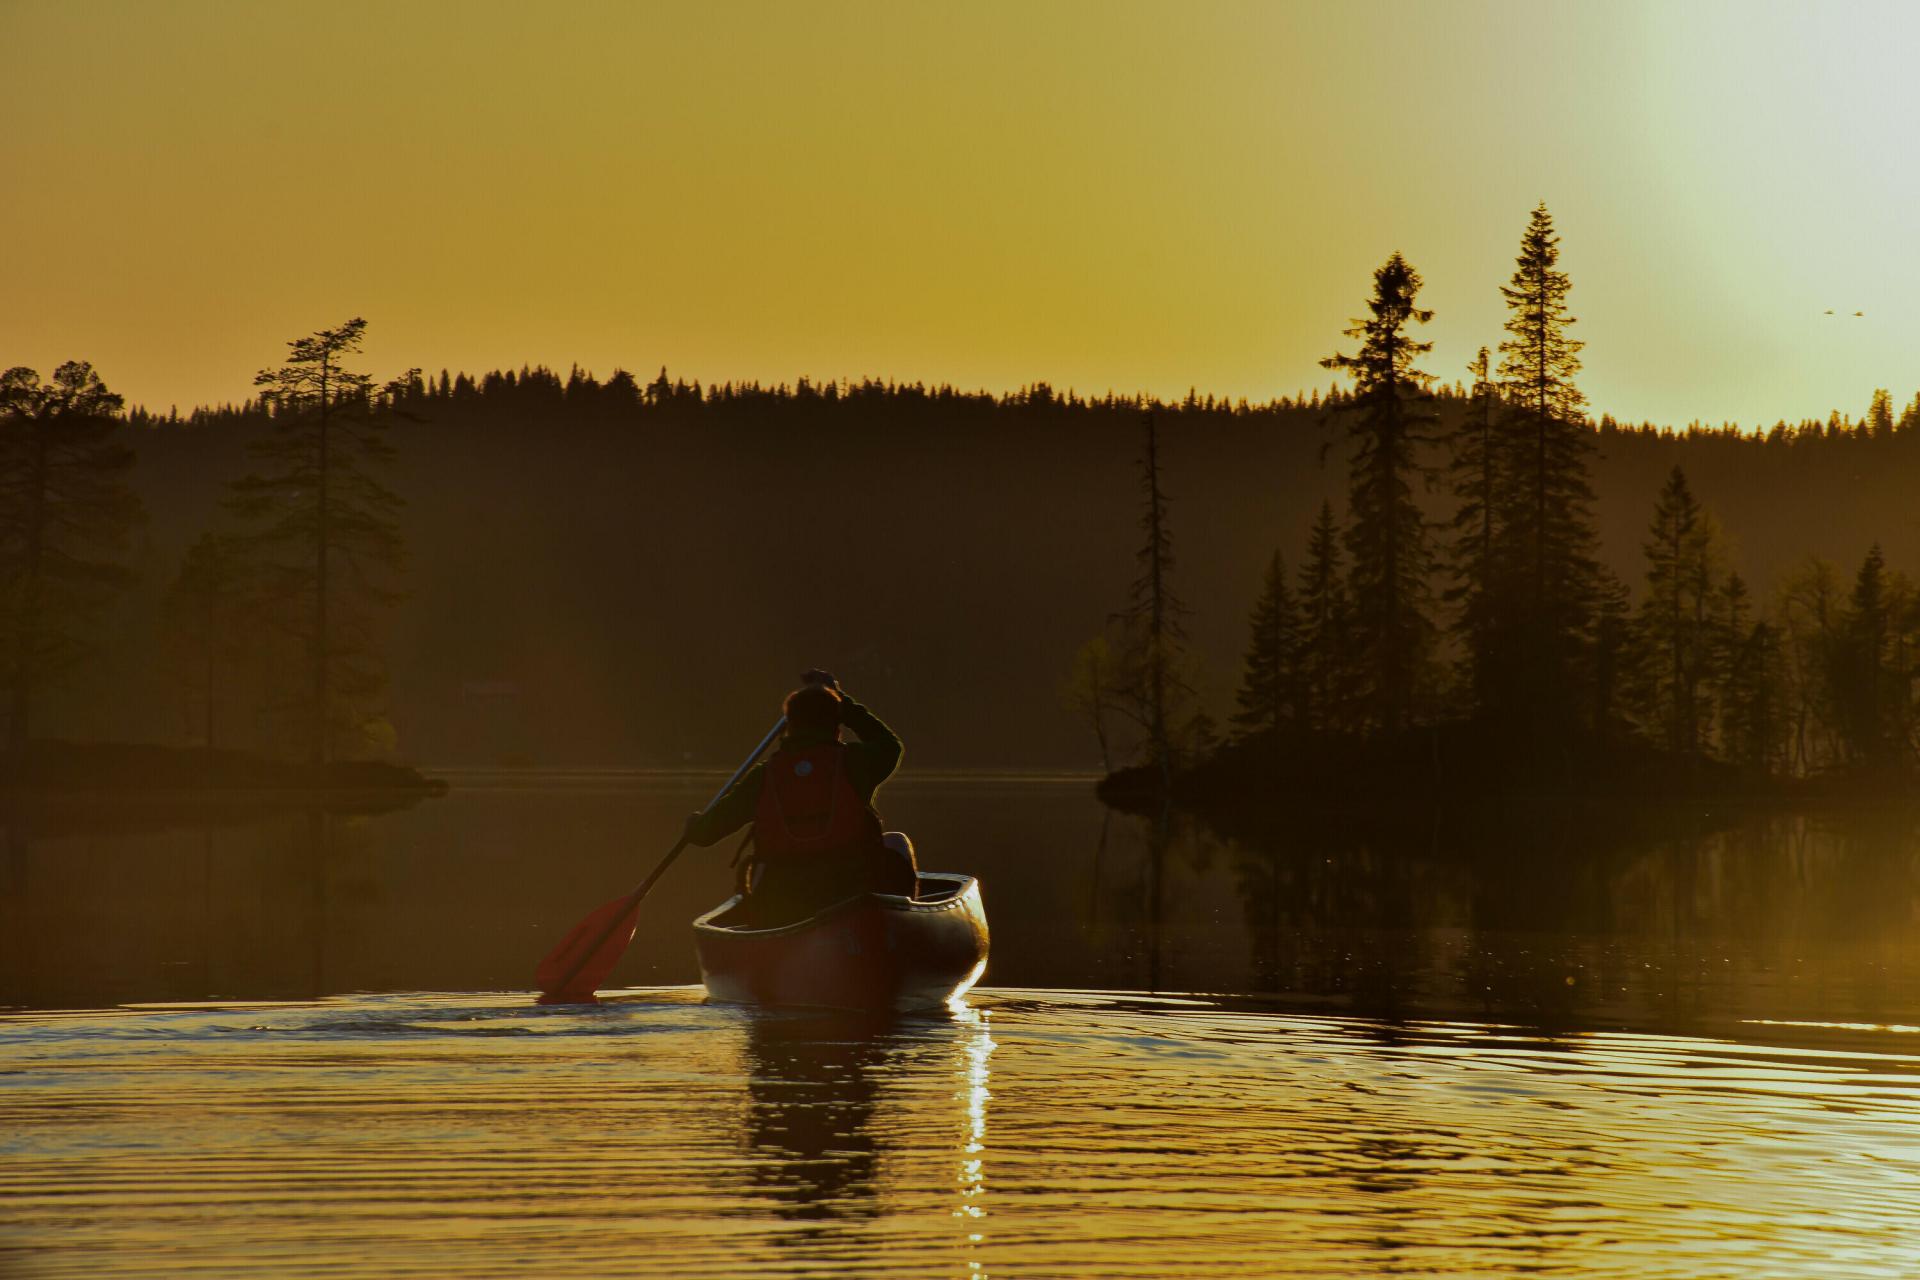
879	747
729	813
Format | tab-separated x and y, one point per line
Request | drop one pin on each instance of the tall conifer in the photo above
324	528
1154	617
1546	519
1390	416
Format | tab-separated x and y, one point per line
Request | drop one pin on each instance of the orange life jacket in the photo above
808	807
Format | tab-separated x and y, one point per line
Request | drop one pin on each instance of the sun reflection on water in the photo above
976	1046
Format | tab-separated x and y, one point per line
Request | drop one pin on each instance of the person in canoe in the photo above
816	837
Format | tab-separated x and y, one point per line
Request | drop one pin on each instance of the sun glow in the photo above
1120	195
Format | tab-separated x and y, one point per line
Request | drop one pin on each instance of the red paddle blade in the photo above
574	970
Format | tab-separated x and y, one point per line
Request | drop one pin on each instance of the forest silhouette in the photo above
1544	674
582	571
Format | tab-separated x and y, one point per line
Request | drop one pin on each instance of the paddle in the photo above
574	970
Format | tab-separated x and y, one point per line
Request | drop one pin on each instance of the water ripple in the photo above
1037	1134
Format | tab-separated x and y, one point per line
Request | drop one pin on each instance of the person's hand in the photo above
815	675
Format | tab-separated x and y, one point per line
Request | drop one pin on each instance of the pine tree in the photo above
1676	616
1268	698
325	528
1390	416
65	512
1325	628
1546	523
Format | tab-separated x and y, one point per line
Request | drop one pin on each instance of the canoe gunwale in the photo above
956	901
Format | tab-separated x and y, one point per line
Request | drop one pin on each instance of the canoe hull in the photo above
873	953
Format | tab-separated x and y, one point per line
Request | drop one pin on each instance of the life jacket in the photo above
808	808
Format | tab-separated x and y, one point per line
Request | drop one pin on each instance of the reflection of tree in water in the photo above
811	1095
1793	913
177	901
1140	903
1329	913
1546	913
1553	917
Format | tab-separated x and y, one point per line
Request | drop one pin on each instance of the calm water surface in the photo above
295	1044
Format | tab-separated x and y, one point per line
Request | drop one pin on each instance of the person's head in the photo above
813	708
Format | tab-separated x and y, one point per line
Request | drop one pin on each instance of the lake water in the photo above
298	1043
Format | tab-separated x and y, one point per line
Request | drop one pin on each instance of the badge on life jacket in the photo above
807	806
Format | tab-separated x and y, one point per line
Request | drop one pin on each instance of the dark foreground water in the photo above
295	1044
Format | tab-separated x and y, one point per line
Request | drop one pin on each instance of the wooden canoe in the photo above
872	952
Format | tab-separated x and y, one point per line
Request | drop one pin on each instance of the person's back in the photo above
817	837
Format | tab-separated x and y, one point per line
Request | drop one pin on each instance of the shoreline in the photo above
52	770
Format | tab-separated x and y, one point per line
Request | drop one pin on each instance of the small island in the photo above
1456	640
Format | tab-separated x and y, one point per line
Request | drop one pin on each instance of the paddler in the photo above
816	836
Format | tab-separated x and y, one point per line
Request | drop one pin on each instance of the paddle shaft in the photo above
646	886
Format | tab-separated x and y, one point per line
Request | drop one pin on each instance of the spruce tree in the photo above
1268	699
1871	683
1676	615
1390	415
1324	626
1546	522
1477	462
1879	420
1909	416
1732	628
65	512
1747	678
1756	722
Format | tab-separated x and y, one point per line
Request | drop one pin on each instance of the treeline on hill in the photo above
1495	652
631	571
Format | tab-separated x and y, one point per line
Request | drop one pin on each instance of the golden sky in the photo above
1100	195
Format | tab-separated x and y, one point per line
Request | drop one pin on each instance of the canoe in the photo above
872	952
